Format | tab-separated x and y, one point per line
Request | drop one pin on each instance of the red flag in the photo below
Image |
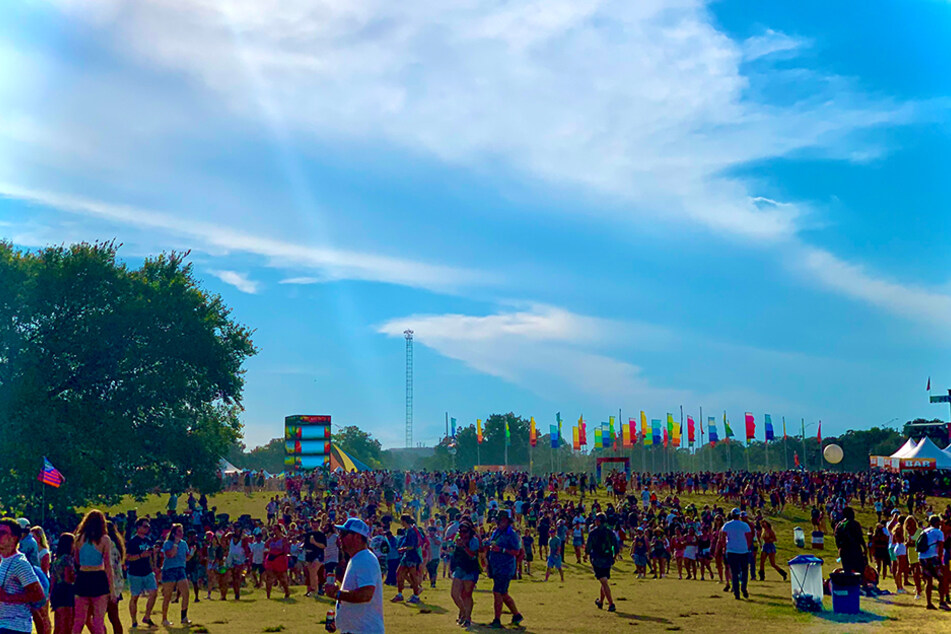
691	431
750	427
795	458
632	427
665	436
819	435
929	384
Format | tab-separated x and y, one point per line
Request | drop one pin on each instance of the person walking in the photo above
62	578
19	584
465	571
602	548
93	553
141	578
175	551
930	550
850	540
503	547
739	542
359	596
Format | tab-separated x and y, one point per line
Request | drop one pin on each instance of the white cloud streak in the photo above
239	280
334	264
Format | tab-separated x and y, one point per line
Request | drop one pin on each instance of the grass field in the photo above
643	605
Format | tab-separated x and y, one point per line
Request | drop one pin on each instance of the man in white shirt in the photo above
739	541
360	594
19	585
931	559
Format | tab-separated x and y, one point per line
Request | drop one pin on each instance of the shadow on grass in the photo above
425	608
861	617
643	618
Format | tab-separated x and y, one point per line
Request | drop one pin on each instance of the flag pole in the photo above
804	454
785	448
766	444
700	449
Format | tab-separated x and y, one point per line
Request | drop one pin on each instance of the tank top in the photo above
89	555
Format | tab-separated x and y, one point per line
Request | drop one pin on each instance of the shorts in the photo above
330	567
690	552
500	585
602	572
91	583
554	561
769	549
139	585
173	575
640	560
258	568
62	596
577	542
462	575
276	564
931	568
197	574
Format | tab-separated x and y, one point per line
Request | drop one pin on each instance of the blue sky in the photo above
578	205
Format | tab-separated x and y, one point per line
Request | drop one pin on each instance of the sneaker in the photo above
466	623
149	623
599	603
186	622
612	608
901	591
166	623
917	597
197	600
517	618
726	588
746	595
134	625
414	599
496	624
397	599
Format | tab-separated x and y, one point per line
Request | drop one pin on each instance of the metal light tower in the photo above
409	387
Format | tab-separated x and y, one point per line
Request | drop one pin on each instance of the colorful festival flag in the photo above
479	430
558	418
555	436
613	434
576	438
727	430
645	430
750	427
656	437
666	438
675	436
508	434
599	438
670	425
714	438
50	475
819	435
583	430
453	422
691	430
768	422
784	429
631	433
532	433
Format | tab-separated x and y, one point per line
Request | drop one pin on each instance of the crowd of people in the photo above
408	530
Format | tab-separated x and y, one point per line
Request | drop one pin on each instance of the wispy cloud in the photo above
333	264
769	43
239	280
854	280
301	280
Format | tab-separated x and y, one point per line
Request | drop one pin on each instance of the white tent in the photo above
905	449
927	449
226	468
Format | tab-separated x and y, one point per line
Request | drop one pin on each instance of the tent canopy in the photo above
905	449
340	459
927	449
226	468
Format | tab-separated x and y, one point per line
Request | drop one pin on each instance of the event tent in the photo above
226	468
905	449
926	449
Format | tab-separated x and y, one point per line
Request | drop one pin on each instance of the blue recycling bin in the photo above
845	591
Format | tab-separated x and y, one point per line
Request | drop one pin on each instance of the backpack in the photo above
45	584
921	544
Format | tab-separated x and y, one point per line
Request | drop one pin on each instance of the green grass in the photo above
643	605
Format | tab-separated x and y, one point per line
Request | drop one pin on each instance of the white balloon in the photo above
833	454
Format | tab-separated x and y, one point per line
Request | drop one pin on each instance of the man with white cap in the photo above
739	542
360	594
28	545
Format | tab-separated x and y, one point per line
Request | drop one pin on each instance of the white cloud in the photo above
544	349
853	280
301	280
644	101
239	280
769	43
334	264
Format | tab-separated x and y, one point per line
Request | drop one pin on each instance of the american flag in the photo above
49	475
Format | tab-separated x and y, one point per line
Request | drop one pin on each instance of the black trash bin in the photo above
845	591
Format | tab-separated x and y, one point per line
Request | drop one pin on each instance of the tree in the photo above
360	444
269	457
127	379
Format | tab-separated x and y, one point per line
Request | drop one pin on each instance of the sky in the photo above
579	206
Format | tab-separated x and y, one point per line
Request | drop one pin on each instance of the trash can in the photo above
799	537
845	591
805	574
818	539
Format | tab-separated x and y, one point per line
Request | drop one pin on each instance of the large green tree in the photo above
127	379
360	444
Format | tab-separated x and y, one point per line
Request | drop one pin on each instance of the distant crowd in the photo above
347	536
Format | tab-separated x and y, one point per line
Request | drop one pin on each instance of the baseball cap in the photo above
354	525
735	511
24	523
